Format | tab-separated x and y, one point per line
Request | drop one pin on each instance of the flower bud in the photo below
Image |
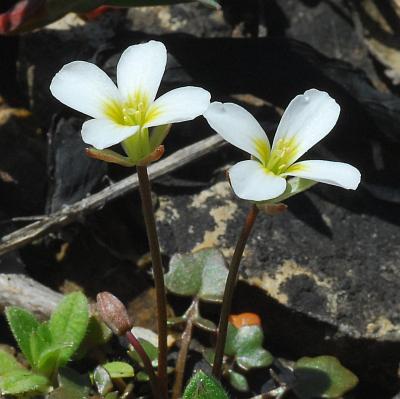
113	313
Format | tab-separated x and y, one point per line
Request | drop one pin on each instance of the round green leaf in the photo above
322	377
254	358
202	274
238	381
119	369
248	338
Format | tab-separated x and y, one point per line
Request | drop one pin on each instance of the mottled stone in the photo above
325	258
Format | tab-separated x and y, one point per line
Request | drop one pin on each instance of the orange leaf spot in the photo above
245	319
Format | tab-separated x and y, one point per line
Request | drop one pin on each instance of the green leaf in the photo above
238	381
141	376
149	348
8	363
73	384
112	395
202	274
97	334
40	341
22	324
230	343
119	369
23	381
203	386
48	361
209	355
245	344
254	358
322	377
68	324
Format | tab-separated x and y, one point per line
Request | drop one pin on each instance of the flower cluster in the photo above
124	113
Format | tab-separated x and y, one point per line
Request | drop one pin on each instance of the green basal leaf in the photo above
40	341
238	381
119	369
149	348
22	324
65	393
230	343
203	386
141	376
102	379
245	345
202	274
248	338
23	381
77	385
112	395
209	355
97	334
68	324
322	377
8	363
255	358
48	360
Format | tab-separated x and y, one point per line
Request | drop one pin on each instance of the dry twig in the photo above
56	220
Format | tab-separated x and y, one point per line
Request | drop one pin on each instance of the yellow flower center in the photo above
134	112
280	158
137	111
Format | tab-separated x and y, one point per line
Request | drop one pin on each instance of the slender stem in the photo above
148	214
191	313
146	363
230	288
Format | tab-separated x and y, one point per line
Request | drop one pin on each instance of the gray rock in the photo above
325	258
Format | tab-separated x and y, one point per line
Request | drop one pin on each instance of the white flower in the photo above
307	120
124	113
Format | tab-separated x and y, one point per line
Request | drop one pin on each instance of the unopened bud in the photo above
113	313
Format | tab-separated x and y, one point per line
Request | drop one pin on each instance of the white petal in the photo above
238	127
251	181
307	120
335	173
178	105
84	87
140	69
103	133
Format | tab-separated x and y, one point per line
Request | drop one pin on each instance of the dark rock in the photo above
319	258
72	174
